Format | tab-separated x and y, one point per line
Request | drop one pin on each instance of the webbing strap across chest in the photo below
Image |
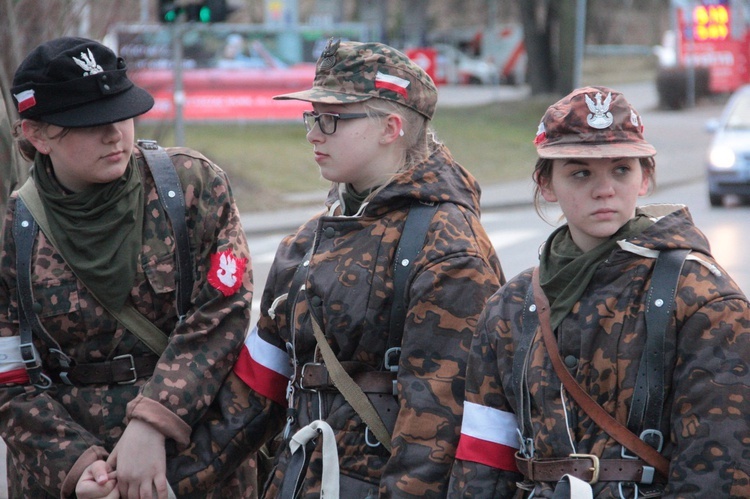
26	228
648	397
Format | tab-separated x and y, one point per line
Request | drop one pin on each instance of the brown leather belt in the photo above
122	369
313	376
588	468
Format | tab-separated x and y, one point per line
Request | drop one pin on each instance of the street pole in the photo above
179	92
572	41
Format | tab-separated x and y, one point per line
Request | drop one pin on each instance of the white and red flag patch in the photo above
264	367
488	436
12	370
25	100
393	83
226	271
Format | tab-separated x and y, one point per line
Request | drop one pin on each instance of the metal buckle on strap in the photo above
30	358
391	358
131	368
594	469
369	442
390	363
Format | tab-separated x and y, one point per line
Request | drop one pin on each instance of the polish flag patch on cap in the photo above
25	100
226	271
393	83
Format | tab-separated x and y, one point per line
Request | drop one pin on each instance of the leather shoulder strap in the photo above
173	200
25	230
648	398
601	417
411	243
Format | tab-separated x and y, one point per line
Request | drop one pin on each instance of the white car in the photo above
729	155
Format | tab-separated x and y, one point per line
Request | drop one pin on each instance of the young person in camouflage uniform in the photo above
113	241
596	271
369	132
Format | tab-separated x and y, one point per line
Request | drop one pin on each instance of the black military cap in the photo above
76	82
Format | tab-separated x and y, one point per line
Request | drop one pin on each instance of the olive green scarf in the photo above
353	200
98	230
565	271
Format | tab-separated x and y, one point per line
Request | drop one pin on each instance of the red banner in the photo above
228	95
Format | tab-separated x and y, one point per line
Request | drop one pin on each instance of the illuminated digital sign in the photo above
711	22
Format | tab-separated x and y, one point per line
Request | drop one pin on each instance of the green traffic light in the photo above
205	14
170	16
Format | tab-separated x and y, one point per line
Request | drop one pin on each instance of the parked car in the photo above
729	153
457	68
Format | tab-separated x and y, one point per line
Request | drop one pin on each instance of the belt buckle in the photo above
594	470
301	380
131	368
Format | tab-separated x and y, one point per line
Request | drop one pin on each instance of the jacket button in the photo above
37	307
571	361
329	232
315	301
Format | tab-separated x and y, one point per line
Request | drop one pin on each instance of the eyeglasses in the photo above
327	121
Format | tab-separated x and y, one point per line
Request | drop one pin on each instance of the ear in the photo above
645	182
392	129
546	189
33	133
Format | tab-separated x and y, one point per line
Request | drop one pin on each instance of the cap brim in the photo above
323	96
129	104
609	150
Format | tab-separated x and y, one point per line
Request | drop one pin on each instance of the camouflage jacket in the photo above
707	377
349	280
53	434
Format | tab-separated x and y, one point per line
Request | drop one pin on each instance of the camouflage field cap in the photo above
592	122
349	72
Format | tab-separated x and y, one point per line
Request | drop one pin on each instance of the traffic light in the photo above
207	11
168	11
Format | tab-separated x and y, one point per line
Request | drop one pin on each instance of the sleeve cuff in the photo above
164	420
91	454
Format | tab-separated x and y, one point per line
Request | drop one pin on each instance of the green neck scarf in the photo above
565	271
99	230
353	200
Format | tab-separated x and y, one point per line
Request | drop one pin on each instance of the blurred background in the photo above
212	63
213	67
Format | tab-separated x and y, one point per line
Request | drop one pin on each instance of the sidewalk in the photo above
497	196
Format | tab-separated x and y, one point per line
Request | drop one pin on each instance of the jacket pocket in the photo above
160	271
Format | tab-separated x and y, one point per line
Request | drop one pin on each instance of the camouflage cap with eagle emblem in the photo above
349	72
592	122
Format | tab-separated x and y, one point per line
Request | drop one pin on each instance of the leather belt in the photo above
588	468
123	369
314	376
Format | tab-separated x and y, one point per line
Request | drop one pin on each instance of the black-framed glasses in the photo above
327	121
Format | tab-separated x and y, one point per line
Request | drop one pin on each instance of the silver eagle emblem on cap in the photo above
600	116
88	64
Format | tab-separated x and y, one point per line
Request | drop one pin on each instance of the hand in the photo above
141	463
98	481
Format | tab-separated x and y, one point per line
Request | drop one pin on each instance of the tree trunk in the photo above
542	74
